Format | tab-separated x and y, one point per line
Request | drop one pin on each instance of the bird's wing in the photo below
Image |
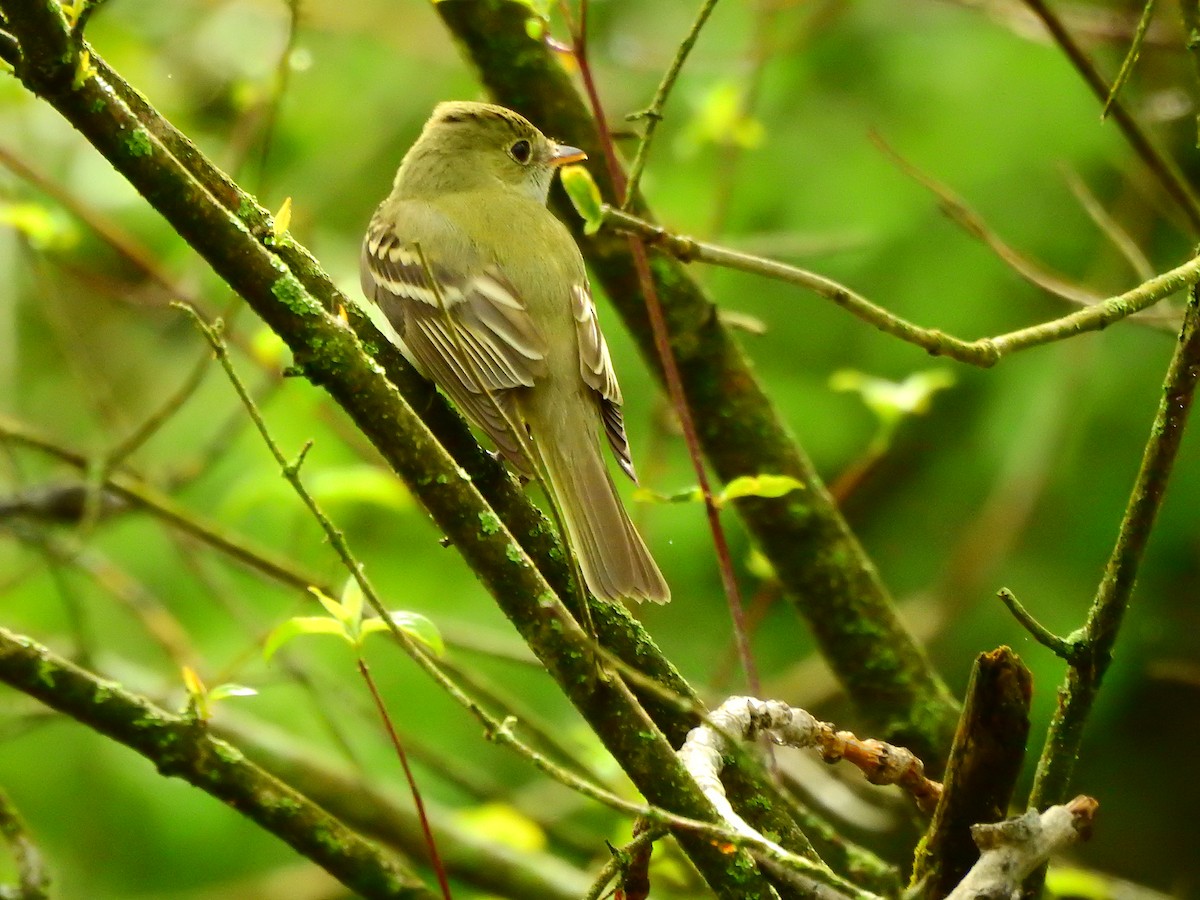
471	334
597	369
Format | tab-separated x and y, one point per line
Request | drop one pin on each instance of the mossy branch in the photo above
183	748
285	286
1092	647
827	573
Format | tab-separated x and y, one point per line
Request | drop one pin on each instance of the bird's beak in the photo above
562	155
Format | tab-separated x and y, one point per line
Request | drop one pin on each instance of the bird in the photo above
485	293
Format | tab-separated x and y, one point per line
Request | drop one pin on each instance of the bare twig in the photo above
983	352
181	748
1131	58
1011	850
1097	638
1064	648
33	880
142	495
666	356
1109	226
654	114
962	215
1163	167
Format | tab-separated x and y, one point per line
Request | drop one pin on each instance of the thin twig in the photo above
32	877
1163	167
142	495
1064	648
500	732
670	367
119	241
962	215
291	472
983	352
182	749
1109	226
283	70
426	830
1131	58
1099	634
654	114
101	466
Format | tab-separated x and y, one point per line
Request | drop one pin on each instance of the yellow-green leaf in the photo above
192	682
759	486
359	484
892	400
585	197
1067	882
303	625
415	625
502	824
333	607
759	566
720	118
268	348
283	219
229	689
690	495
46	229
352	602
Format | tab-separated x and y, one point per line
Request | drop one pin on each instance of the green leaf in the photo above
1067	882
268	348
359	484
505	825
283	219
759	486
415	625
760	567
585	197
352	603
690	495
45	228
299	625
720	118
229	689
891	401
333	607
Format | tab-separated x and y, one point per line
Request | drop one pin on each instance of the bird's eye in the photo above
521	151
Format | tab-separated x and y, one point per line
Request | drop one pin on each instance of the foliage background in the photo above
1016	477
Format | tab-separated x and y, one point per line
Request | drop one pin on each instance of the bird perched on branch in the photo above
486	294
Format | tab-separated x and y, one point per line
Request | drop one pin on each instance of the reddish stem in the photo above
434	859
662	346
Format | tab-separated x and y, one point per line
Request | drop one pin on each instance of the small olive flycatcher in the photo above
509	332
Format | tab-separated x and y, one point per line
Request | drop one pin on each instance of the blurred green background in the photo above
1016	476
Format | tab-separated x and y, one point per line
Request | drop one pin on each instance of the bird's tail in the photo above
614	559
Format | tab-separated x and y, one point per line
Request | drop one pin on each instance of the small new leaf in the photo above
690	495
585	197
891	401
333	607
359	485
229	689
352	603
283	219
303	625
769	486
83	69
416	626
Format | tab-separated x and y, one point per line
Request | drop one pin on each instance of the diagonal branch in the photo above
254	263
183	748
827	573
